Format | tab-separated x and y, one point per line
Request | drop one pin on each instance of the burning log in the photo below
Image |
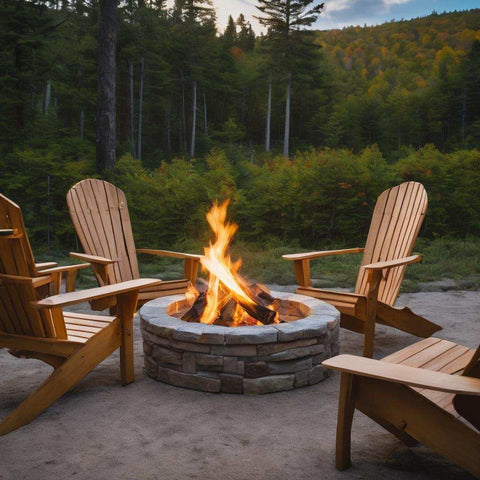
196	310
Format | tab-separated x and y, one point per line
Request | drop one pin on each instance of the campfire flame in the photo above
224	282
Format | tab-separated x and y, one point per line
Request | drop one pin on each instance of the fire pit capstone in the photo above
249	360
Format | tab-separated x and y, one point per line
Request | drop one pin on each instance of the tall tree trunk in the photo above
286	139
140	111
169	143
55	105
183	146
82	123
464	109
205	119
269	116
46	99
194	119
131	132
106	111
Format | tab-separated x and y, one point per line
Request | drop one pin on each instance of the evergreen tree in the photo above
284	20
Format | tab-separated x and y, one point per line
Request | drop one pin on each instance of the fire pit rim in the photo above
322	317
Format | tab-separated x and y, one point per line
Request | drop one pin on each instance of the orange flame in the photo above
223	283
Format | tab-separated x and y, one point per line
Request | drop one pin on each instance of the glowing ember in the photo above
229	298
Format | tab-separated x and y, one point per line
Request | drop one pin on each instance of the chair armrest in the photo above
63	268
43	265
92	258
167	253
414	377
72	298
394	263
325	253
35	281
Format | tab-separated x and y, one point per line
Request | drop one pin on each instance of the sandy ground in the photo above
148	430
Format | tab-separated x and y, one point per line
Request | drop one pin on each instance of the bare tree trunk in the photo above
194	119
184	122
106	111
205	113
46	99
464	108
55	105
169	143
140	111
269	116
132	139
286	139
82	123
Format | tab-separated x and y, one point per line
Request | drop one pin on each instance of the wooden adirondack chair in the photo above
34	326
100	215
397	218
428	392
72	343
16	256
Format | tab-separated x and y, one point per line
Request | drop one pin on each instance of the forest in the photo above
201	115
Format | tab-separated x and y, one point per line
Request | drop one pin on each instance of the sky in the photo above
341	13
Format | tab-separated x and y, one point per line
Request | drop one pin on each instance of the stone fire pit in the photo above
248	360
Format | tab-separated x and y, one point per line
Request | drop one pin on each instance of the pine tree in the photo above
287	42
230	34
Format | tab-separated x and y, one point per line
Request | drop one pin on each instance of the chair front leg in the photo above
302	272
126	307
373	283
191	269
346	409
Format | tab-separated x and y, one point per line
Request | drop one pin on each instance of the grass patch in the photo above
448	264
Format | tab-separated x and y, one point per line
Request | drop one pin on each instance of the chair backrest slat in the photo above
397	218
99	212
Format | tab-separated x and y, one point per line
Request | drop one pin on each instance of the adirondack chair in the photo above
99	213
32	325
73	343
397	218
428	392
16	256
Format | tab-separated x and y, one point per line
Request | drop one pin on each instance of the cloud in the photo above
341	11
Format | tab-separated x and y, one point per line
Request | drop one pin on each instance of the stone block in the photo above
234	350
165	355
280	347
188	380
301	378
230	364
189	363
231	383
275	383
214	334
189	346
151	367
318	359
188	332
289	366
241	367
288	332
250	335
312	326
317	374
256	369
294	353
155	339
209	360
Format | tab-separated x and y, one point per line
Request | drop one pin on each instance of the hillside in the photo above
406	82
